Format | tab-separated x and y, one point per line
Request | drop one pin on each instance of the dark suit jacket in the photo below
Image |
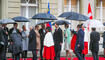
80	39
32	40
42	35
58	37
5	35
94	41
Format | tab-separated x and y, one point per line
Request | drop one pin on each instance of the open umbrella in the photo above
93	23
104	23
61	22
44	16
43	21
20	19
74	16
7	21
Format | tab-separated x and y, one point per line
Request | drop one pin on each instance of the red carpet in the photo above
87	58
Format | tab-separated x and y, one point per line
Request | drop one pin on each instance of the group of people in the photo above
47	43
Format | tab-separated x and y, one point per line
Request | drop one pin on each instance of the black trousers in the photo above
41	52
16	56
2	53
95	55
57	52
78	52
34	55
24	54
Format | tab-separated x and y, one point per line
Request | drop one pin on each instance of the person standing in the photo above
58	40
80	43
94	43
67	38
5	33
2	42
104	43
49	52
16	42
42	35
32	43
37	38
25	41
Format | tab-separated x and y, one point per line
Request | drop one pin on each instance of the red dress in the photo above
49	52
85	51
73	42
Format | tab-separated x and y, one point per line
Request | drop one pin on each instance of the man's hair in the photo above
56	23
94	29
15	24
78	26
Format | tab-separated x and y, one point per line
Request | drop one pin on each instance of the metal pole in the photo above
27	14
101	12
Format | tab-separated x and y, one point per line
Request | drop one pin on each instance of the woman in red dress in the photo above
49	52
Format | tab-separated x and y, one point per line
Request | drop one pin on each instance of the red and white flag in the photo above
90	11
89	14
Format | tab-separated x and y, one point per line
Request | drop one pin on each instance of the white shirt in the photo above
48	40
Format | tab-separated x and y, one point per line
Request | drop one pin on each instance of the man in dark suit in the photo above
80	43
58	40
5	33
32	43
94	43
42	35
2	47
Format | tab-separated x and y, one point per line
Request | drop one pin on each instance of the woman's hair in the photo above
49	29
66	25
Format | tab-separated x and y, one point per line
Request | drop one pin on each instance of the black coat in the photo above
5	35
11	30
32	40
94	41
42	35
80	39
58	37
103	39
2	40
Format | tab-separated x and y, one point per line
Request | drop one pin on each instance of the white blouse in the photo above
48	40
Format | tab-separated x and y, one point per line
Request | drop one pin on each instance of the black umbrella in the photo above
104	23
61	22
74	16
7	21
20	19
44	16
43	21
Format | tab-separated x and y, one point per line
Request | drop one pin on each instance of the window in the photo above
28	9
98	7
73	4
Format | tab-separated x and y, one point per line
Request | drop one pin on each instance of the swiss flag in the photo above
90	11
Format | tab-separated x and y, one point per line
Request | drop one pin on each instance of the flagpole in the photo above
101	12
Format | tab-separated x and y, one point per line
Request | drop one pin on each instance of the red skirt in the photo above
49	52
85	51
73	42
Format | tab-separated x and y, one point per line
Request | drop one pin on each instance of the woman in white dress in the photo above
25	41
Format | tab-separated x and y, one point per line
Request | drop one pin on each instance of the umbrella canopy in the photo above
20	19
7	21
44	16
74	16
61	22
104	23
93	23
43	21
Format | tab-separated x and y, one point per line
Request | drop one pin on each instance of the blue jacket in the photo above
80	39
